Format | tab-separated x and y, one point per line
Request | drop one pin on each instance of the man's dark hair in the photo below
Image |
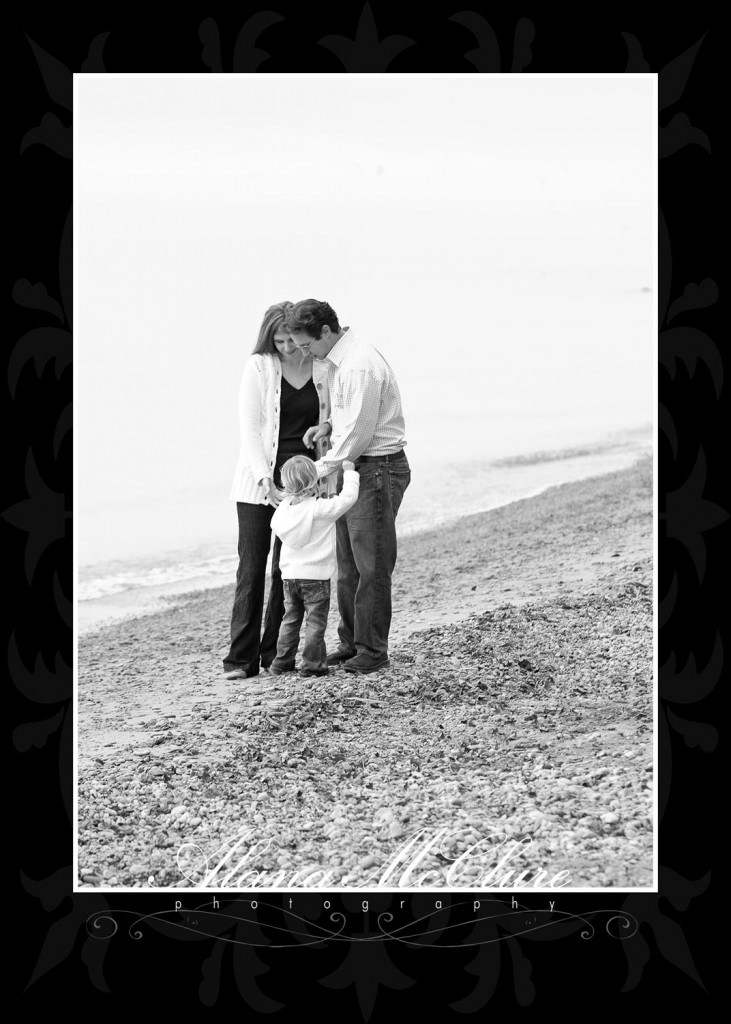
310	316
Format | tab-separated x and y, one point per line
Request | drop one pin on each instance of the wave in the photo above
625	441
157	575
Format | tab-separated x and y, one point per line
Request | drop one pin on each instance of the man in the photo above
367	427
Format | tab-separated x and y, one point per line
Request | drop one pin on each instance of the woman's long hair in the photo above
273	319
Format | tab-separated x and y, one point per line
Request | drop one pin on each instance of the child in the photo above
306	526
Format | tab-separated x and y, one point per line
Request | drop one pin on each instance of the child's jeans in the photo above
310	598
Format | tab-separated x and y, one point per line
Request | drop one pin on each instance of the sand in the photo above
519	702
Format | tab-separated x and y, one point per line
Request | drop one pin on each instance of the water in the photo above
439	493
494	239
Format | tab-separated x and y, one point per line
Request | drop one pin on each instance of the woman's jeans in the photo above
255	537
310	598
366	547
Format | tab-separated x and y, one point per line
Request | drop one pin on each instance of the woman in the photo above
278	401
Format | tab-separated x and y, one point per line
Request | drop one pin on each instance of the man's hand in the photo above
348	465
313	434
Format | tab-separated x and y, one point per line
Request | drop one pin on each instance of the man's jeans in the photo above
366	546
310	598
255	537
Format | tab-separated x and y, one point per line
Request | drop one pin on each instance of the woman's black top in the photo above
300	408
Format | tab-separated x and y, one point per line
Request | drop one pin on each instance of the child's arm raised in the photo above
334	508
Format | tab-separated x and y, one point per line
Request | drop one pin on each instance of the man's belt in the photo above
381	458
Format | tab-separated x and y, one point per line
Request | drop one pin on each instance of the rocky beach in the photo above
510	743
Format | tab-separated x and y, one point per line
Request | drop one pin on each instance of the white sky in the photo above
490	235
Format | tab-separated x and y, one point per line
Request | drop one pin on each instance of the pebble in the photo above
368	862
308	870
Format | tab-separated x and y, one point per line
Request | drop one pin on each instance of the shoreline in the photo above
519	700
104	613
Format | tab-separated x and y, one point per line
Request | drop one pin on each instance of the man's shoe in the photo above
362	663
280	671
236	673
314	671
338	656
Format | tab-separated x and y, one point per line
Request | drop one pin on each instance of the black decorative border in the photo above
666	947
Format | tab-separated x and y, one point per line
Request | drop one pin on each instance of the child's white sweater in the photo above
307	531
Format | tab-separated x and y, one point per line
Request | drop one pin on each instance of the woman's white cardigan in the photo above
259	403
260	395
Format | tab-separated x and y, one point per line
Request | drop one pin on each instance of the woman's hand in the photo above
272	495
347	464
313	434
